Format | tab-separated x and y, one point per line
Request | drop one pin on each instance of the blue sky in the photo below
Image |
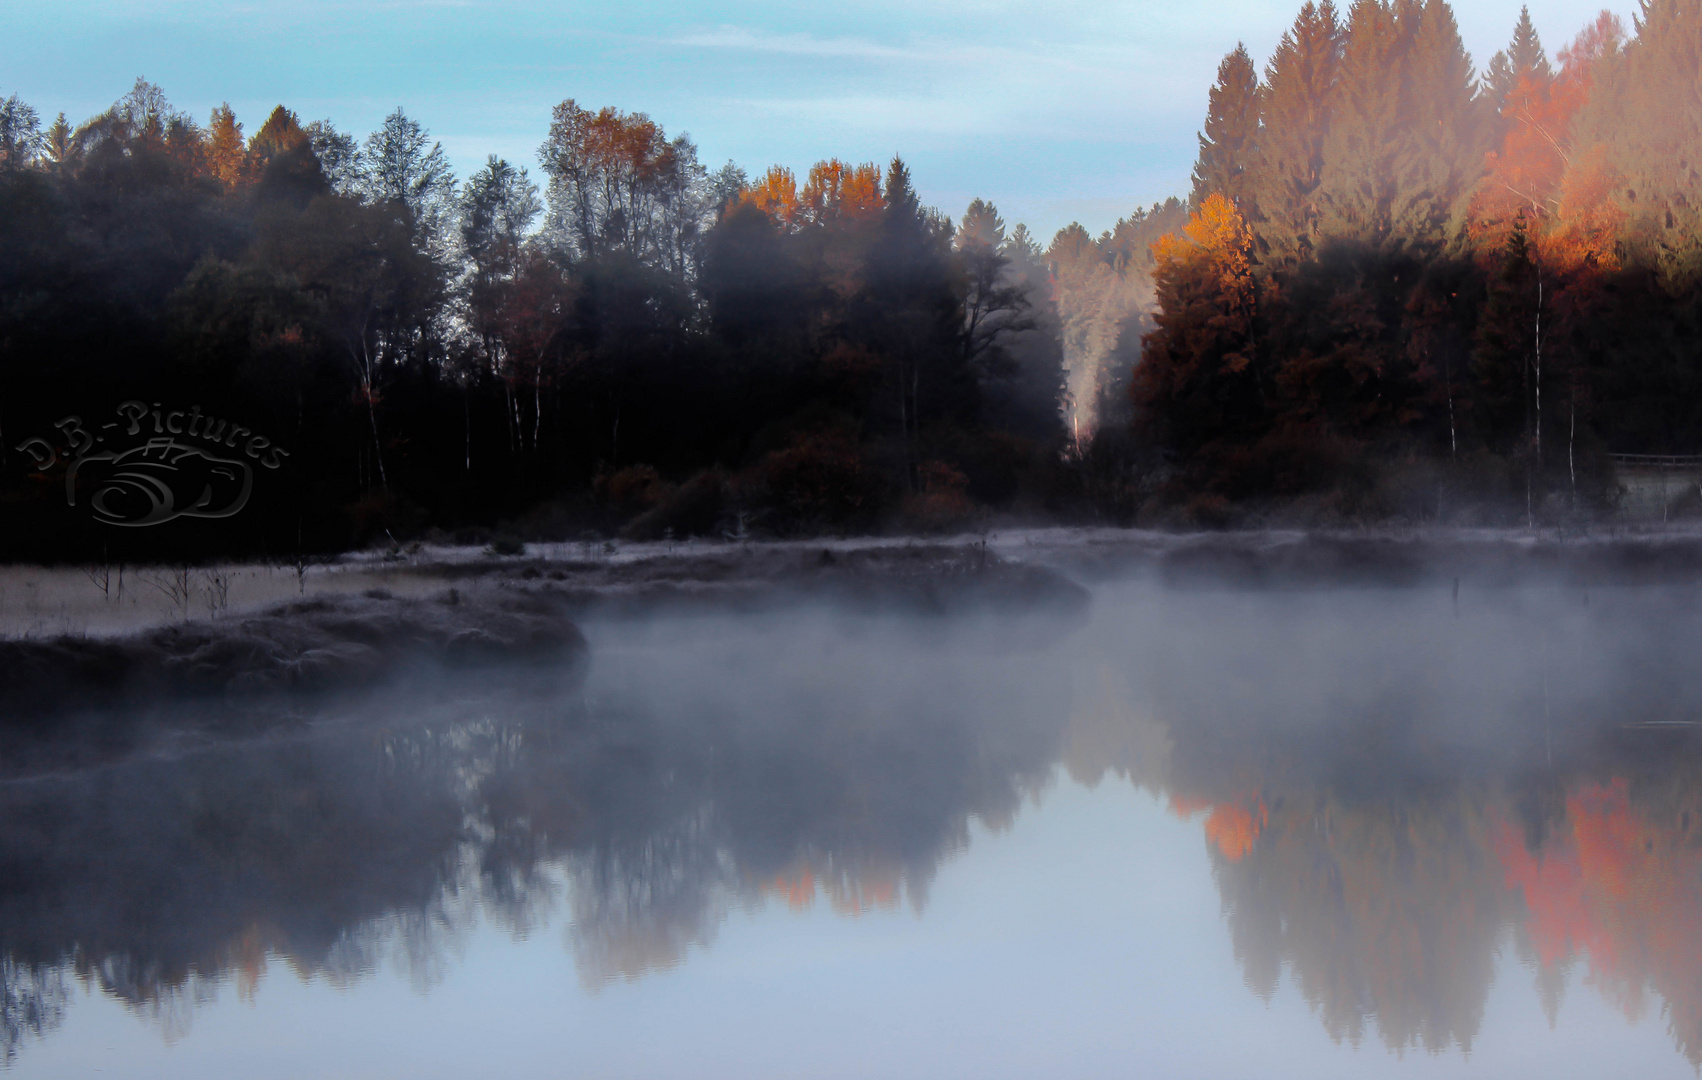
1058	111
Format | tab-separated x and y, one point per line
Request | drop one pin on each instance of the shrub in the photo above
695	508
819	481
943	502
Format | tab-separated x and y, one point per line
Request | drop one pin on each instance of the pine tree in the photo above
280	157
1645	117
59	141
280	133
912	284
1356	187
1441	155
1299	81
1229	143
1522	61
1523	56
1503	361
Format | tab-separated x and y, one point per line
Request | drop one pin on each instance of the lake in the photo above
1197	831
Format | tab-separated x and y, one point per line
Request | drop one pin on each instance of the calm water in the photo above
1201	833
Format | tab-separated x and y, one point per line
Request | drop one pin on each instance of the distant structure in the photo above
1656	486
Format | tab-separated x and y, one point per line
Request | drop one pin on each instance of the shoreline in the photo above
39	602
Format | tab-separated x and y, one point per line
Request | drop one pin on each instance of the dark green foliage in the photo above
1356	186
1229	145
1523	56
1504	361
1300	80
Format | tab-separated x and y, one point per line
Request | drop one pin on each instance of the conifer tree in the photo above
281	159
1645	117
1524	59
59	140
1506	338
1356	185
910	282
1441	155
1299	80
1229	142
281	132
1523	56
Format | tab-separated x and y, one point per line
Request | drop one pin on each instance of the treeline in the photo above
1398	288
632	342
1406	289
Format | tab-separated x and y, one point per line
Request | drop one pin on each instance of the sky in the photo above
1064	111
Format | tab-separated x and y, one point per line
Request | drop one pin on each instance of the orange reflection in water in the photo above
1232	827
1621	885
852	894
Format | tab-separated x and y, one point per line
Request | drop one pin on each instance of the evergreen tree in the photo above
58	140
994	304
1441	155
913	315
1645	117
280	133
1523	56
1503	405
281	157
1356	187
1299	81
1523	60
1229	143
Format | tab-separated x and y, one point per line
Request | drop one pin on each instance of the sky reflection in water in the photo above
1210	832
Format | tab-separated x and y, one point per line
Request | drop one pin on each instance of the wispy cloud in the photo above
911	115
742	39
937	54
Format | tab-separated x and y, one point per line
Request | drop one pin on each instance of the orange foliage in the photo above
833	190
1627	891
1589	220
799	891
1217	232
1553	886
1562	189
1233	828
1215	257
849	894
226	157
776	195
836	189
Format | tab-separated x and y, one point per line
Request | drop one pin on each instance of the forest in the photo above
1400	289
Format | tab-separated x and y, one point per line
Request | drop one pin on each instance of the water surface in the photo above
1206	832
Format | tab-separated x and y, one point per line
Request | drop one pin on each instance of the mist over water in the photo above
1201	829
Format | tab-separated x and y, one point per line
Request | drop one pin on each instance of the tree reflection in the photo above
1387	801
383	835
32	1000
1387	804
